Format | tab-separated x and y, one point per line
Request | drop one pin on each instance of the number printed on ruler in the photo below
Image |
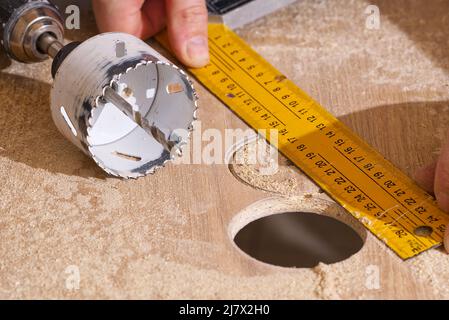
384	199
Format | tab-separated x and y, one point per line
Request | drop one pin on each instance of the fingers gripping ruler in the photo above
385	200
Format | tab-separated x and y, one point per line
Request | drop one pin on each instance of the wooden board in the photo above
168	235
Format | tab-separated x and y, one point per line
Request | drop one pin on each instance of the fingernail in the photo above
197	51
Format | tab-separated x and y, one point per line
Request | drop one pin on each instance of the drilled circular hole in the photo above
254	164
423	231
298	239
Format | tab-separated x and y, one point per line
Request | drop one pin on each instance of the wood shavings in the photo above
285	179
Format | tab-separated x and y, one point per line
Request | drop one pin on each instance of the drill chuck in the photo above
24	24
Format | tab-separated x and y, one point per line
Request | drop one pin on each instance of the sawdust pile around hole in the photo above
283	178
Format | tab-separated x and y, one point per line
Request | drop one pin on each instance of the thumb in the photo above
425	177
187	31
442	184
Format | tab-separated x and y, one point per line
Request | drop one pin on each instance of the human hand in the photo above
186	22
434	178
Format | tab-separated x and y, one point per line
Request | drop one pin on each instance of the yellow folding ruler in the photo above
384	199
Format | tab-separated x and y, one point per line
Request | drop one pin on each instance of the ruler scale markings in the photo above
251	96
221	62
218	58
257	100
403	214
353	183
263	87
388	166
400	214
340	162
400	202
356	186
394	220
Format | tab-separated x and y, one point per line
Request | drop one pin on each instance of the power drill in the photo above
117	99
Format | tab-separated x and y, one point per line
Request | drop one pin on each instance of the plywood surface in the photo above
168	235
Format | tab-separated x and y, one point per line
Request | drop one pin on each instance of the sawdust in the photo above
431	268
143	240
273	174
334	34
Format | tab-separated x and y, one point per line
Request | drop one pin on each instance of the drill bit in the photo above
112	96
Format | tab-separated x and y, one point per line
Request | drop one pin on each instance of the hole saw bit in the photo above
117	99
